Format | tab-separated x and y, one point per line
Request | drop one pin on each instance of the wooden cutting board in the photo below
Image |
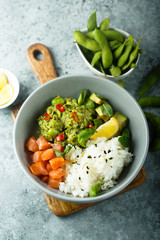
45	72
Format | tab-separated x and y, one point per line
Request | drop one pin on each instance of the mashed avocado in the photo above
64	122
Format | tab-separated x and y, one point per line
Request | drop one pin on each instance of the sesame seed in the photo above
110	158
105	152
109	151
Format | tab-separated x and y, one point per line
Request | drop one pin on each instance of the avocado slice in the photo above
97	98
122	119
105	111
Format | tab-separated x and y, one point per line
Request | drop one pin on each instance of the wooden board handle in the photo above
44	69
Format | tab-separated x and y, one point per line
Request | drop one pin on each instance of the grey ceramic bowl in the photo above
71	86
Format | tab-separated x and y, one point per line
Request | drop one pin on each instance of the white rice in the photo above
102	161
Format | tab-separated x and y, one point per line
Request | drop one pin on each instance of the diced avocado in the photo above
97	98
105	111
122	119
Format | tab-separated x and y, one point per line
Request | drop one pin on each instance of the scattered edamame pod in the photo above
86	42
105	24
92	21
95	58
128	47
149	102
117	53
155	122
149	81
107	57
155	144
113	35
115	71
132	56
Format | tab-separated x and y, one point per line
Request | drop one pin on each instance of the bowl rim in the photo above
16	87
94	70
85	199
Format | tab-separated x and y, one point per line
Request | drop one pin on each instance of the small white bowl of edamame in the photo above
87	57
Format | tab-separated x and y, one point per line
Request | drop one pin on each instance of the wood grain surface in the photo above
45	72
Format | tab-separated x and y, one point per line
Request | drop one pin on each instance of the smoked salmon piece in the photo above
57	162
54	183
37	156
57	174
58	147
49	168
45	178
32	145
38	169
48	154
43	143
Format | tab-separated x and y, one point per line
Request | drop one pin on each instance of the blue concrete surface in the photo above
24	213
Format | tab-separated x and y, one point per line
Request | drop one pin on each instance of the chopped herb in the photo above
87	167
77	156
94	156
79	178
109	151
87	172
89	156
105	152
110	158
95	145
82	189
106	160
99	156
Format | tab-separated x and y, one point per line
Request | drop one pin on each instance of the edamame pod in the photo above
92	21
149	81
117	53
133	65
128	47
132	56
105	24
149	102
113	35
155	121
96	57
115	71
114	44
86	42
107	57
